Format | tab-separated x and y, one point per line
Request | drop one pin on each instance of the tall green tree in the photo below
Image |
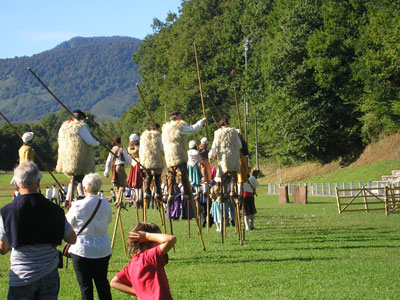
378	68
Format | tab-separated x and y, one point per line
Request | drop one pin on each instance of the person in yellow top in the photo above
26	153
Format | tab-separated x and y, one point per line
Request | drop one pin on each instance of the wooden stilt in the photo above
170	219
239	223
194	209
118	220
243	225
136	207
208	208
222	221
122	234
188	214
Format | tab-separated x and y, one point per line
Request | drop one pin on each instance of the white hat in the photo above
133	137
27	137
192	144
204	140
217	179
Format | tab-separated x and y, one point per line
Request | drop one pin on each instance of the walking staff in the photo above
204	116
240	130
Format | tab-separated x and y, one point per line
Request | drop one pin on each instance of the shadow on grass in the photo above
225	260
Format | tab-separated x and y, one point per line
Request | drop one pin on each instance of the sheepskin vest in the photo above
228	149
75	157
174	143
150	152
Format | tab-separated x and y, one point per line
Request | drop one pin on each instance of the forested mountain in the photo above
323	75
93	74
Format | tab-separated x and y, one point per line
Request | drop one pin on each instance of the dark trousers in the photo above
229	185
89	269
149	173
179	172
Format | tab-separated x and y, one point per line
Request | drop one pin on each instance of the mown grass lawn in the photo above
295	252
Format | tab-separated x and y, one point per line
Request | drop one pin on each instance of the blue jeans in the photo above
46	288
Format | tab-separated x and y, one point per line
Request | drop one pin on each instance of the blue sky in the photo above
29	27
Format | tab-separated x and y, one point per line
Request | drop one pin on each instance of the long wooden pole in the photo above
215	121
36	155
218	112
204	116
237	110
71	113
145	105
200	86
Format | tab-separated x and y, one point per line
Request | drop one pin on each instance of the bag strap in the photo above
91	217
252	187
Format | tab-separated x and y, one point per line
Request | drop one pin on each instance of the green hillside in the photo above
93	74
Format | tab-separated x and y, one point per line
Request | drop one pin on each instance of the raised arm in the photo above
188	129
166	241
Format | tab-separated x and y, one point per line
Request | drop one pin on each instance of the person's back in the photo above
145	275
26	153
32	227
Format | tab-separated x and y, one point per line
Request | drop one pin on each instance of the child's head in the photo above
134	246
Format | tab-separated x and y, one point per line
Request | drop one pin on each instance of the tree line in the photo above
322	74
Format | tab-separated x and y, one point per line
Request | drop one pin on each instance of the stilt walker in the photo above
194	173
75	156
176	159
225	149
151	156
84	161
116	161
135	177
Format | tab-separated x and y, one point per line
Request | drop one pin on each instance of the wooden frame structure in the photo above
368	199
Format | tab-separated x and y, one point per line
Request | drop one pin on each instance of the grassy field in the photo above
295	252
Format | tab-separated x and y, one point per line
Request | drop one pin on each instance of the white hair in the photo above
92	183
26	174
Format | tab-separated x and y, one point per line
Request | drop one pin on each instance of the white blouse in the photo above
193	157
93	241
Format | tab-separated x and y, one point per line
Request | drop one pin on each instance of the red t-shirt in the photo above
145	273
